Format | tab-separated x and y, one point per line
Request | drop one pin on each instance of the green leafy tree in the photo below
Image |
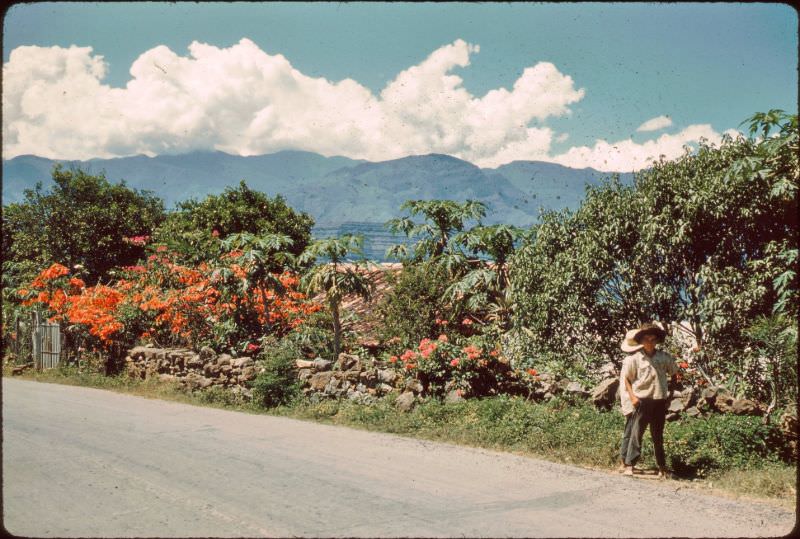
413	304
771	368
484	288
709	238
81	220
337	278
442	219
195	228
550	294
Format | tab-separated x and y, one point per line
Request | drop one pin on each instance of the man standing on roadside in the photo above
646	380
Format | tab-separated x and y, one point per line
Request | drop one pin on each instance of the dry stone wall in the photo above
364	381
690	400
194	370
352	378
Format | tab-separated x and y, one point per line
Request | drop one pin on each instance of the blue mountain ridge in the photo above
341	194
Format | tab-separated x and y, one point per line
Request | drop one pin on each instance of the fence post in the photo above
18	340
37	341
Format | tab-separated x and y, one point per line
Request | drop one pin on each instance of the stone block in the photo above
692	411
724	403
353	375
746	407
248	373
348	361
604	395
242	362
689	397
145	352
414	386
368	377
405	402
575	388
676	405
384	389
191	380
709	394
386	376
789	426
194	362
319	380
207	354
321	364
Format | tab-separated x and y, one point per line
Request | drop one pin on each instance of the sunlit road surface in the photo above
81	462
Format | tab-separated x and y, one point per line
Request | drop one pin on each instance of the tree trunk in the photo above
337	329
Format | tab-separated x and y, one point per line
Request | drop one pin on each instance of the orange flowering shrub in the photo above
95	308
174	304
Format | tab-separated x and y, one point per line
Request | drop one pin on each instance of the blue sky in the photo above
568	83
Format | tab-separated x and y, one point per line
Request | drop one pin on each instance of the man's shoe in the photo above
628	470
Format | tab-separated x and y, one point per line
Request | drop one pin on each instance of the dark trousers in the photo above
649	412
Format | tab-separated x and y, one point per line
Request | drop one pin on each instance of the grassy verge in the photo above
728	455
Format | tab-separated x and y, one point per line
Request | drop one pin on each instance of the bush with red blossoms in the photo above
470	367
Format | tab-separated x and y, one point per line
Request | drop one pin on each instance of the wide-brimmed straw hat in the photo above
632	340
629	345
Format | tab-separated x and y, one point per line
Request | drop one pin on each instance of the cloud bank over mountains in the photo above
242	100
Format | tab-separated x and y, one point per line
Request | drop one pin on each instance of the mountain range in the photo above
341	194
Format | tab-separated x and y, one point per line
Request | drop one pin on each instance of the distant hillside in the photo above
341	194
549	185
178	177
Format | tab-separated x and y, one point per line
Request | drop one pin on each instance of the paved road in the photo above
90	463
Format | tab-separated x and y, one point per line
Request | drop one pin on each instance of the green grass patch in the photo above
771	480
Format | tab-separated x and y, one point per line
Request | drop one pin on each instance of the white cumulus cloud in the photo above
242	100
628	156
654	124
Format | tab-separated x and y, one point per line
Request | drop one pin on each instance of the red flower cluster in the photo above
441	365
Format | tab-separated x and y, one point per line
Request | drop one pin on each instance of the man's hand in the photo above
635	401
